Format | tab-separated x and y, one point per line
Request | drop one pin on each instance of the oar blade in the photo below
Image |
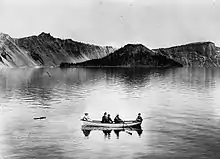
130	133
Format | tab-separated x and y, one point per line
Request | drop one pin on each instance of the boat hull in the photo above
125	124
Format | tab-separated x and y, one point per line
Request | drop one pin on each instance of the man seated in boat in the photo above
86	117
104	118
139	118
109	119
117	119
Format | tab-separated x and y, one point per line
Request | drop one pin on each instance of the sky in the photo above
154	23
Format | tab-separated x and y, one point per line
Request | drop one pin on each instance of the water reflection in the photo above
129	131
86	132
182	106
108	131
41	82
131	77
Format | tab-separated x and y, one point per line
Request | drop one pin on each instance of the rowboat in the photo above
125	124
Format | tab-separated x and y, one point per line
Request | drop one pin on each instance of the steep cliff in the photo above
201	54
131	55
45	50
12	55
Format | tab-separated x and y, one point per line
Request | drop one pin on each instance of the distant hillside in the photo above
45	50
201	54
131	55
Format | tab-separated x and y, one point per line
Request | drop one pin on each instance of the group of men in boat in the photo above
107	118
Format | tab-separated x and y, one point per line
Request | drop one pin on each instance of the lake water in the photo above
180	107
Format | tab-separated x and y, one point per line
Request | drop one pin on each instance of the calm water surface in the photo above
180	107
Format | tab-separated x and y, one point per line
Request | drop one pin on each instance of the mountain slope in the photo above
201	54
131	55
45	50
11	55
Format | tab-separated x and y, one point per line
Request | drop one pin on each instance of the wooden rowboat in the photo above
125	124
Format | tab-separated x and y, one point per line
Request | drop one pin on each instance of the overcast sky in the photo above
154	23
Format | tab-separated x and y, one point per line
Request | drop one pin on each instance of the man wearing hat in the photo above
104	118
86	117
118	119
139	118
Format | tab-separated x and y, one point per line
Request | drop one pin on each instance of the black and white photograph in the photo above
109	79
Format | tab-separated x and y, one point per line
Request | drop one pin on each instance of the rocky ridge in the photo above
131	55
45	50
200	54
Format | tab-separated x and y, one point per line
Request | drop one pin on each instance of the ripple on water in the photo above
180	108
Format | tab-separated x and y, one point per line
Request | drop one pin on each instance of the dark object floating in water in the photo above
39	118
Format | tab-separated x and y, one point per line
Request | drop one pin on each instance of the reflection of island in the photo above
107	131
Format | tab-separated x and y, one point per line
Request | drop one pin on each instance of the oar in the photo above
130	133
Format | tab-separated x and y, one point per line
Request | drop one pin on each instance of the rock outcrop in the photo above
131	55
201	54
12	55
45	50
